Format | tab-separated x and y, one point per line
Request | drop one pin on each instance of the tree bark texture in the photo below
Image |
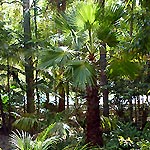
61	105
93	131
61	5
28	58
104	82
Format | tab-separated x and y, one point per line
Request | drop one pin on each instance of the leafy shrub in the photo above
144	145
24	141
124	136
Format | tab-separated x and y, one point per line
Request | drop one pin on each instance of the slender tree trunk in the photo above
47	97
131	109
3	117
103	64
67	93
36	37
135	109
103	76
61	104
8	91
93	131
28	58
61	7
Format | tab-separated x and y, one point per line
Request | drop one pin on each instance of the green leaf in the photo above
81	72
57	56
123	66
45	133
86	15
5	99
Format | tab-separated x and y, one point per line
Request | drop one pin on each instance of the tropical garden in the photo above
75	74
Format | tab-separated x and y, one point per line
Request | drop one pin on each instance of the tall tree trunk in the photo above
36	73
28	58
61	7
103	64
103	76
93	131
131	8
8	91
135	109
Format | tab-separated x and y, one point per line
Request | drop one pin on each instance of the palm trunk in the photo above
30	85
61	105
36	37
29	61
61	7
103	64
93	131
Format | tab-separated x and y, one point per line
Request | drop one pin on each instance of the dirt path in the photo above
4	143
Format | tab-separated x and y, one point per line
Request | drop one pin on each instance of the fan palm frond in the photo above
81	72
47	139
57	56
107	21
20	140
86	15
26	122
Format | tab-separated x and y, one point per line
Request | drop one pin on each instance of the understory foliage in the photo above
60	136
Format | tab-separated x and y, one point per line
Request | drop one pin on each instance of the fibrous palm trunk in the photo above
93	131
103	64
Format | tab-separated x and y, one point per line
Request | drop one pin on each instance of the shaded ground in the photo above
4	143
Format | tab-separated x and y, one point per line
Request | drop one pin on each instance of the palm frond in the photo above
26	122
20	140
81	72
110	14
57	56
45	133
108	18
86	15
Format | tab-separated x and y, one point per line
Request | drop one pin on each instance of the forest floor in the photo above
4	142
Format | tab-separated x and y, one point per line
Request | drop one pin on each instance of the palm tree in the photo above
61	7
80	55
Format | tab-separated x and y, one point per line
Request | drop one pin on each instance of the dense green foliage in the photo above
58	58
